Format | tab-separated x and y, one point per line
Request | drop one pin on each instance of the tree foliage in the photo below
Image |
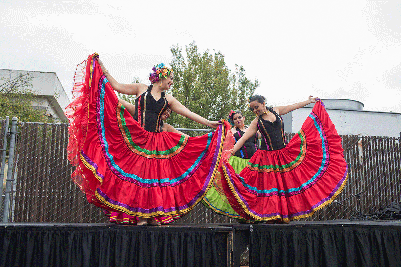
204	84
16	98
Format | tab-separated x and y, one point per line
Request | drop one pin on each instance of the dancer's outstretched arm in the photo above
282	110
128	89
253	128
184	111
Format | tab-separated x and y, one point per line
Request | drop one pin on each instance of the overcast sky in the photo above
331	49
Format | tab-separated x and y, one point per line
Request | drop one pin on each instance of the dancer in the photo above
286	182
244	153
215	198
127	164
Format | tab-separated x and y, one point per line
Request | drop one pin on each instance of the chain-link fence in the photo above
43	191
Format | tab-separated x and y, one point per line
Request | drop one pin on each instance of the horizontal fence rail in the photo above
44	191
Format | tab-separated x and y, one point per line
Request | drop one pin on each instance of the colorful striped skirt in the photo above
293	182
127	170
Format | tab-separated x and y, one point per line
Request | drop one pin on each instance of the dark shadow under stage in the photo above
328	243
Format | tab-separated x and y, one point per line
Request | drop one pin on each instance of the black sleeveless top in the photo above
272	133
148	111
250	146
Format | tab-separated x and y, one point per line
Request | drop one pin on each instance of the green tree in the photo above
16	98
204	84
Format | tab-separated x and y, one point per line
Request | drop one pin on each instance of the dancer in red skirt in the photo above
286	182
127	164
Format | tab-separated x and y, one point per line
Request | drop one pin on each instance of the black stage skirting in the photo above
112	245
333	243
330	243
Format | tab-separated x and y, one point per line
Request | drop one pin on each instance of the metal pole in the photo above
10	178
14	188
3	159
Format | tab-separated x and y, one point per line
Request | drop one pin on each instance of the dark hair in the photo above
258	98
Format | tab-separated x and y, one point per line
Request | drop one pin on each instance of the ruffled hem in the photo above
123	218
77	114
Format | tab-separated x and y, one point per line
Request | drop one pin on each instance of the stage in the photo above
320	243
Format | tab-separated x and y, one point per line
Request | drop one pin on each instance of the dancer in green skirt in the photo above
215	197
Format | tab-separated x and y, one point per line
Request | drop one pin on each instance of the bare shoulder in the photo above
277	110
170	98
140	88
172	101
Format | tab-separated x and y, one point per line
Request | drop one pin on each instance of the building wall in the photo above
352	122
43	102
51	94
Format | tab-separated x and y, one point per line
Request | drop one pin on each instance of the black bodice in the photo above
272	133
250	146
148	111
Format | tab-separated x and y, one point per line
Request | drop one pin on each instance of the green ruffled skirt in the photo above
215	197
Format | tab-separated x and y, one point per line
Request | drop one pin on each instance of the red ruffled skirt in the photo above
293	182
125	169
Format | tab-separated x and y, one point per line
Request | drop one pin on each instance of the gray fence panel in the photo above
46	193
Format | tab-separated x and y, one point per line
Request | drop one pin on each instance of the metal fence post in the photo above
3	159
10	178
14	188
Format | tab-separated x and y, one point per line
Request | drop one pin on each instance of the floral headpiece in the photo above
159	71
